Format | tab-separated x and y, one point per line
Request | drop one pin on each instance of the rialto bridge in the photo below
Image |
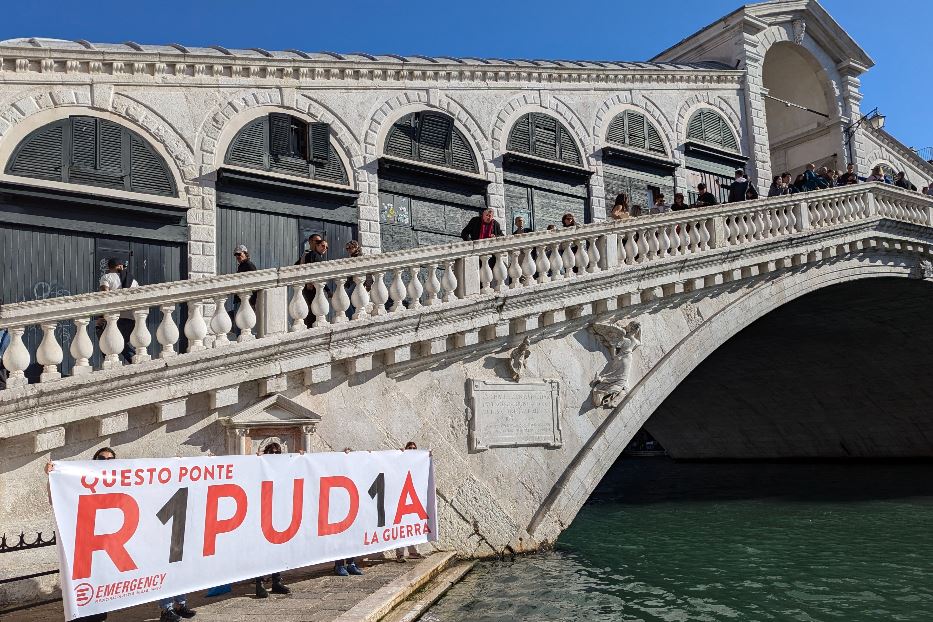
525	363
787	327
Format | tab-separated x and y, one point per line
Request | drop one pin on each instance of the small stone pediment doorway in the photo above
274	419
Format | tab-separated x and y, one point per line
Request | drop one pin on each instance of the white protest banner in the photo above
133	531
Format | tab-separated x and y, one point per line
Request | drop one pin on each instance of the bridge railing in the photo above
314	296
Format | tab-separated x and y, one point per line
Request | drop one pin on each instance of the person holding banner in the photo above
104	453
346	567
412	549
277	586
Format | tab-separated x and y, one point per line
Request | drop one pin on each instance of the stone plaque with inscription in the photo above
514	414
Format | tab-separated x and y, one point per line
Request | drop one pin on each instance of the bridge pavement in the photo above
317	596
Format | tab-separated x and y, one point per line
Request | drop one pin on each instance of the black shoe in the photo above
261	591
280	588
184	612
169	615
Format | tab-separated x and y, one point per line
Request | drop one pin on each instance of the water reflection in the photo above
665	541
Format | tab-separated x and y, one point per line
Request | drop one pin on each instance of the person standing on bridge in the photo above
412	549
278	587
482	227
738	188
849	177
705	198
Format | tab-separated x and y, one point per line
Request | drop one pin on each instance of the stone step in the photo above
413	608
375	606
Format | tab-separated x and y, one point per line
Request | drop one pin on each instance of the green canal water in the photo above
683	542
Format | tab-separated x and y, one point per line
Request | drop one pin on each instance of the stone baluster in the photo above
760	230
16	359
140	337
220	322
528	267
621	240
82	349
245	318
631	248
449	282
360	297
556	262
500	271
515	270
415	288
167	333
432	286
485	275
694	234
568	260
320	306
397	291
111	342
643	248
542	263
379	294
49	354
580	258
195	327
653	243
340	302
297	309
664	242
592	251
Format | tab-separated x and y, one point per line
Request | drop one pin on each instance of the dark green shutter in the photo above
40	154
616	133
248	148
148	173
84	142
544	136
333	171
319	143
110	147
636	129
695	127
520	136
401	139
569	153
280	132
461	155
433	138
654	139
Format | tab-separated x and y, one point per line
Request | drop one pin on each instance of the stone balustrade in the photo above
218	311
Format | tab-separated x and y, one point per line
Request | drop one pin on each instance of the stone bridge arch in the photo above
701	337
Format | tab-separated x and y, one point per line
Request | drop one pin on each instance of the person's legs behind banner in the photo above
175	608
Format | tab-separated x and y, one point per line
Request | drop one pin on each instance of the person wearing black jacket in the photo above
738	189
482	227
704	197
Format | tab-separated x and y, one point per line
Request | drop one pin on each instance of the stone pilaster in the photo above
756	127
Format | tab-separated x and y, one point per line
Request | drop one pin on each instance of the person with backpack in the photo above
738	189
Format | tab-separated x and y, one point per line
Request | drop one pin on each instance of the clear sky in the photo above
896	35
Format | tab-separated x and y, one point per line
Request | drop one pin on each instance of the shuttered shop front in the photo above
543	173
55	243
273	219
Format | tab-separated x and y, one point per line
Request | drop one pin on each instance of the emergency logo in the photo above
84	592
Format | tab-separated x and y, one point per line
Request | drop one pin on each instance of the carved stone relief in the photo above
611	384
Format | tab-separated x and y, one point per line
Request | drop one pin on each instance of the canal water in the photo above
705	542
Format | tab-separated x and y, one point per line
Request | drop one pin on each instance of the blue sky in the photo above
893	34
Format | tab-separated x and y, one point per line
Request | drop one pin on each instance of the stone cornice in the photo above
886	140
43	63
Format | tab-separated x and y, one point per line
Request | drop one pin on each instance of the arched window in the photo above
93	152
430	137
545	137
281	143
632	129
709	127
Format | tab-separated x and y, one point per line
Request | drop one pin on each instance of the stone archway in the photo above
701	337
798	136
